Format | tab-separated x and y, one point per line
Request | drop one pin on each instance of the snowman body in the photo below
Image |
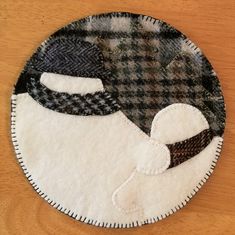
87	166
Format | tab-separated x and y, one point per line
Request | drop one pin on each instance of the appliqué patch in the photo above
97	103
109	115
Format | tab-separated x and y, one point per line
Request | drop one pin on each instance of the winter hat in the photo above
117	120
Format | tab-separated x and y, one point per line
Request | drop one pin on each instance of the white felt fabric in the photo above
152	159
83	164
70	84
156	195
177	122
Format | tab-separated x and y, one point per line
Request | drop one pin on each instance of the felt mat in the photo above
117	120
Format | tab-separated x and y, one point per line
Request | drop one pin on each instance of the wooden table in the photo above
26	23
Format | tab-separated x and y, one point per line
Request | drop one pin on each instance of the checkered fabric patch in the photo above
98	103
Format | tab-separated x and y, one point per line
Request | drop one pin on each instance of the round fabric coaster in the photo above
117	120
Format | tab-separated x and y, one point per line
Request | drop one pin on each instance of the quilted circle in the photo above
117	120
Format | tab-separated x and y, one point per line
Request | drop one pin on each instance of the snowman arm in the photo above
184	130
149	156
156	158
152	158
177	122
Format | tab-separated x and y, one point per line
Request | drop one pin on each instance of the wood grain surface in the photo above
25	24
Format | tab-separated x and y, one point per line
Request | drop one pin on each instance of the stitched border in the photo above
81	218
95	222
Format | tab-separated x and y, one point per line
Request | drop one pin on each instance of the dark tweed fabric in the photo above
98	103
151	64
69	56
184	150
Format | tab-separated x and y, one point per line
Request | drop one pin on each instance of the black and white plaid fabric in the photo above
151	66
98	103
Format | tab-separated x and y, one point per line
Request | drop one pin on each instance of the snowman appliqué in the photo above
89	157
